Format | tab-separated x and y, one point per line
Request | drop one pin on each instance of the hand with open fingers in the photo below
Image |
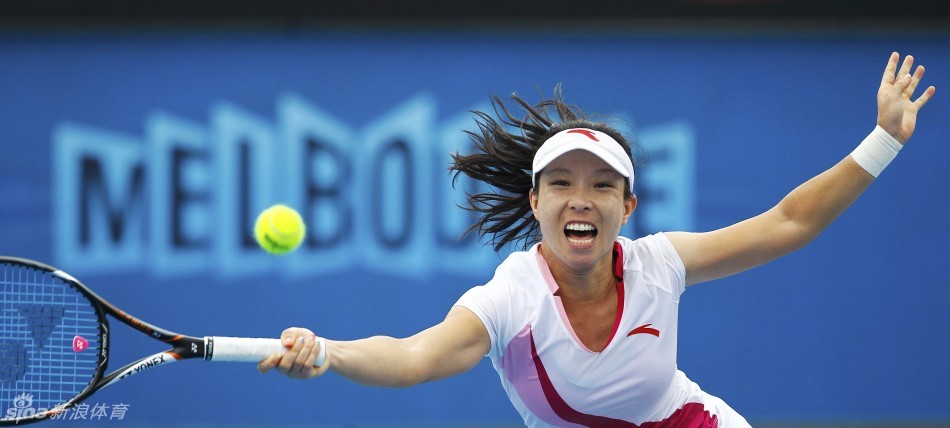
896	112
302	350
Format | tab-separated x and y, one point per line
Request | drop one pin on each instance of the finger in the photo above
288	336
268	363
287	361
300	362
905	66
918	74
901	84
890	68
924	97
313	354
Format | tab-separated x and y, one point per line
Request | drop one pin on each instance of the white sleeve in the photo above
673	264
491	303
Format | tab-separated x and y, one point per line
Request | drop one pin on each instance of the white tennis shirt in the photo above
554	380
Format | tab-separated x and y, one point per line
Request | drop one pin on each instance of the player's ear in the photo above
533	199
629	206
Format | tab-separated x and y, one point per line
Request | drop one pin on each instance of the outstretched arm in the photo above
451	347
810	207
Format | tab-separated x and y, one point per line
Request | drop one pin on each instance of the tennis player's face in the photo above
580	205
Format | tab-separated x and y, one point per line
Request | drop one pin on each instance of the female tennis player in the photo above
582	326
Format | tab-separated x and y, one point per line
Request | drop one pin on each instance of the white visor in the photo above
596	142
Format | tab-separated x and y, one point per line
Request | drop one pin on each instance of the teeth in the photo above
580	227
580	242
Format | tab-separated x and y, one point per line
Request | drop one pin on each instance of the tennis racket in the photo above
54	342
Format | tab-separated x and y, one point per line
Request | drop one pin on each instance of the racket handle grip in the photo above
253	350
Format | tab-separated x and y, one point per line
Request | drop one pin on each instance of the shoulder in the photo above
518	265
504	302
654	259
514	278
637	252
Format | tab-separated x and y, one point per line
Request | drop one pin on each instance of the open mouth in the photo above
580	233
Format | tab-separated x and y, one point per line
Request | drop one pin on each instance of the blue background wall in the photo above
854	327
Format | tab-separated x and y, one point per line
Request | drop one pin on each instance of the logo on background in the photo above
181	199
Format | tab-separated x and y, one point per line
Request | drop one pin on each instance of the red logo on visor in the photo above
586	132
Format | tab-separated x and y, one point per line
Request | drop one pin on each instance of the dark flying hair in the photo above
503	159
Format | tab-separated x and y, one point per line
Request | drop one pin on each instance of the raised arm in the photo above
812	206
451	347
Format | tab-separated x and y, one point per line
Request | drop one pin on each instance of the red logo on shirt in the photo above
644	329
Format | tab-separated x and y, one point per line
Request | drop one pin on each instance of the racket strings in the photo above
49	340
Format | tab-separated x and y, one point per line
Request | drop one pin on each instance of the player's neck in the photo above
591	287
588	285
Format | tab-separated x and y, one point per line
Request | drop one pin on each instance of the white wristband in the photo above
876	151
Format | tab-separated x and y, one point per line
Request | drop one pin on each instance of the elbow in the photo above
412	376
797	235
403	383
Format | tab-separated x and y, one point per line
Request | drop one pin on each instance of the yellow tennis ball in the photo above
279	229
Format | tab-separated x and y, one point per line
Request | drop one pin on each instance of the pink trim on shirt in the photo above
545	270
525	370
552	285
521	372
